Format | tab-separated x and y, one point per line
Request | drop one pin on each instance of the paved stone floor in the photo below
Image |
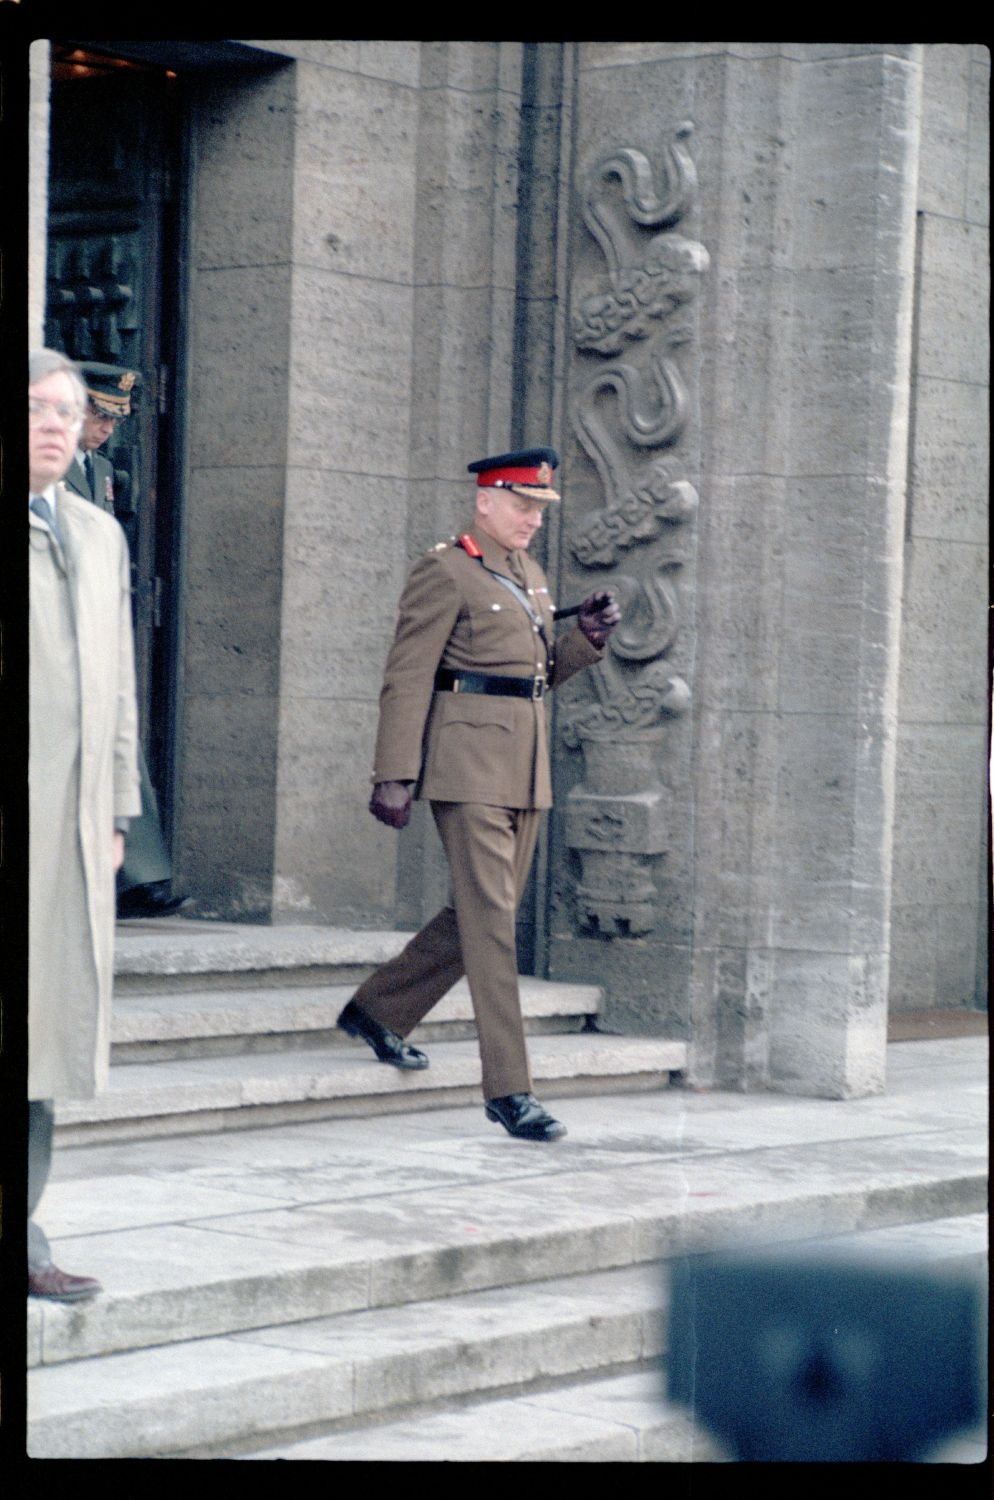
152	1217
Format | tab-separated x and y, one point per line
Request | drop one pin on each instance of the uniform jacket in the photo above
82	774
103	481
463	747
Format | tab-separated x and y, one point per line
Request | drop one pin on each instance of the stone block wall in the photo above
240	278
345	527
940	914
353	304
398	255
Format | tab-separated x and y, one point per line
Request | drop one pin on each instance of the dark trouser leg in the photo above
41	1123
490	850
146	861
403	991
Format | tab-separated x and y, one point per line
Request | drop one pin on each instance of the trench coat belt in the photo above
448	680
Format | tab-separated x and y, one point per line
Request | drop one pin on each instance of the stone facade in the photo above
939	921
739	286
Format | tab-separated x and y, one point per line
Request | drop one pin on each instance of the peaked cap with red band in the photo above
528	472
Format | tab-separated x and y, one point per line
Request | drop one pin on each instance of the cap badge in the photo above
126	381
543	474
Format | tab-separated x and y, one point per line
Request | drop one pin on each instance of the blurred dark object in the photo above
826	1360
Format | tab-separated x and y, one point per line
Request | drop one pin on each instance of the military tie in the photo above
88	471
43	511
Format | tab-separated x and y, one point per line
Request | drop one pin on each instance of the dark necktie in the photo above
88	471
43	511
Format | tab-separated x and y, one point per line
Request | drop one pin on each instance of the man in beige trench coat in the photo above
463	723
83	782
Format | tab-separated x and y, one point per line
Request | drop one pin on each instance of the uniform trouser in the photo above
146	860
41	1123
489	851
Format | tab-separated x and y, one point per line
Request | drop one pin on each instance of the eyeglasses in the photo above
112	417
39	411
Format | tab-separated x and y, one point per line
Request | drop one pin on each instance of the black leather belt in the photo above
447	680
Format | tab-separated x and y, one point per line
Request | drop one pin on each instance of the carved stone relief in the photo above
627	410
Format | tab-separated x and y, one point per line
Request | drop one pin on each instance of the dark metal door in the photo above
112	291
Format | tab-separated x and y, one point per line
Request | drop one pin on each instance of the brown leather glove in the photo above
598	616
391	803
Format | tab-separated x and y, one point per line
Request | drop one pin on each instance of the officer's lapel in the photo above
75	479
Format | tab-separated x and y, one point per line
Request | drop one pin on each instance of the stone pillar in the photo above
761	895
805	426
461	391
351	335
241	274
940	913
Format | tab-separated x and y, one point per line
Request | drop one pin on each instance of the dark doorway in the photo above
114	259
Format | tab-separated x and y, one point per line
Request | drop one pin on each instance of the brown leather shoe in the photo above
58	1286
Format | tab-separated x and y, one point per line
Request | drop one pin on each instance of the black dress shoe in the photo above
154	900
58	1286
388	1046
523	1116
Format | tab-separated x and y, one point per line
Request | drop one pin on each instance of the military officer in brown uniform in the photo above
463	724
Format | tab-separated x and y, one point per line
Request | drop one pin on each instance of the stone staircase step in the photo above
167	1025
623	1418
236	1395
197	1395
215	1236
194	1094
170	954
617	1419
244	1269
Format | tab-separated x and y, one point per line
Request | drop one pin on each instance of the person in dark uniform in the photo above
108	401
144	881
463	724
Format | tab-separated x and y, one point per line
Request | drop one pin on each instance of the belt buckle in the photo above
538	688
